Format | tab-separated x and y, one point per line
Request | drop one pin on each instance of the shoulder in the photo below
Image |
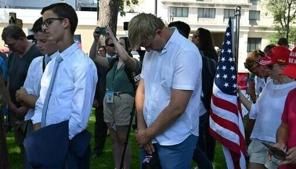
37	59
82	61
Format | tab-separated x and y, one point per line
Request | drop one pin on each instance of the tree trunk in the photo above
3	146
108	14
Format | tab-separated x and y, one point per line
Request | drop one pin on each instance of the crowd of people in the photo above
50	86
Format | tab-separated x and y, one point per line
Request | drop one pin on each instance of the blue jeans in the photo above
177	156
200	153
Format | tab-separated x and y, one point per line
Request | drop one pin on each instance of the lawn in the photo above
105	161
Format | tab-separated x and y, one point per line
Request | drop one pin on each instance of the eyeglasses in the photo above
110	45
49	21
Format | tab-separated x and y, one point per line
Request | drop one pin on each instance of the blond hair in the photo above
143	27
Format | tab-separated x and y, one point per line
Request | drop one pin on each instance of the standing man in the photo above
74	86
168	96
29	93
22	54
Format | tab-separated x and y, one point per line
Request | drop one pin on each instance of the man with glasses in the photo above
29	93
22	53
72	93
168	98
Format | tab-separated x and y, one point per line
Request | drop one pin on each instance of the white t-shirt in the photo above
177	66
268	110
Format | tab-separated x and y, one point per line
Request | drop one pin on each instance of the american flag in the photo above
226	124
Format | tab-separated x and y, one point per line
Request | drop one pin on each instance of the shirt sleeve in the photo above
84	90
187	71
30	81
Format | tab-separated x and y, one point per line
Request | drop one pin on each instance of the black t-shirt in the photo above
18	68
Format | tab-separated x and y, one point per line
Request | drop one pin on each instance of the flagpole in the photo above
237	16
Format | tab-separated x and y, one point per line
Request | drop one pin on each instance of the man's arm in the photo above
139	99
175	108
84	91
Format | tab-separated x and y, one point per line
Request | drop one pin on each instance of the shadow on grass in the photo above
105	160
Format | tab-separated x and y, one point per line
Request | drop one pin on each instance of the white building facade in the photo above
256	24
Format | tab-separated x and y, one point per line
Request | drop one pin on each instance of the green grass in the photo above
105	161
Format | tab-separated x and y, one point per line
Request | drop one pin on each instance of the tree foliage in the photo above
284	14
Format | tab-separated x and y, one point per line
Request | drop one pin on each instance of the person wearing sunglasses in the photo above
268	109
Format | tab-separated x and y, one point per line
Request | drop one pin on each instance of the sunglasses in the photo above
110	45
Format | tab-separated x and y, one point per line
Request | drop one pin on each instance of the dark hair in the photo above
267	49
182	27
13	31
64	10
37	26
206	43
283	42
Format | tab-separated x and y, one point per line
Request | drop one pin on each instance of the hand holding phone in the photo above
276	152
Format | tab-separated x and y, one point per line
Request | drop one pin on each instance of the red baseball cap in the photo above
290	69
278	55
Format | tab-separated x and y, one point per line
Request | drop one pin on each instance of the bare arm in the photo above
245	101
93	50
176	107
282	134
130	62
139	99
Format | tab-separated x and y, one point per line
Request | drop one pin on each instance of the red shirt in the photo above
289	117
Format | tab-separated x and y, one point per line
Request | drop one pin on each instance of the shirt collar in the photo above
171	39
69	50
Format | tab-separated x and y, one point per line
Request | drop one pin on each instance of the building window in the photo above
228	13
254	44
254	1
206	12
179	11
254	15
88	8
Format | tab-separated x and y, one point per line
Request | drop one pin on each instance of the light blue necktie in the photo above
58	60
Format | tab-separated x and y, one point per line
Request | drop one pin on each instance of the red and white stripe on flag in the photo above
226	124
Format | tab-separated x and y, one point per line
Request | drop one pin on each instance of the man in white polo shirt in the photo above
168	96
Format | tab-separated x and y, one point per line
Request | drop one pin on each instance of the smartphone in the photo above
100	30
276	152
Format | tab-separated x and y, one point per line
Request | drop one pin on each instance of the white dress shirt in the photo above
177	66
73	91
32	82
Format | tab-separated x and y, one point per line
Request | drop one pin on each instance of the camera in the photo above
12	18
125	26
101	30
